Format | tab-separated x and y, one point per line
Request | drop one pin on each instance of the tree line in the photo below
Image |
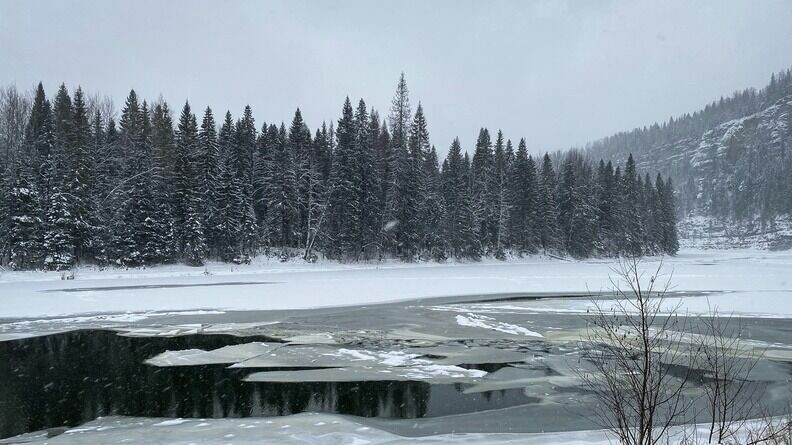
79	187
741	172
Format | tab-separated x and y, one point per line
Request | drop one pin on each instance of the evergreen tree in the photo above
281	190
400	117
244	160
189	222
606	208
409	176
224	223
77	190
484	195
669	239
366	132
432	209
630	224
82	177
161	245
305	181
523	196
206	160
548	207
60	224
345	206
26	225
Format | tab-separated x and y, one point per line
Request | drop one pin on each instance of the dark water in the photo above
71	378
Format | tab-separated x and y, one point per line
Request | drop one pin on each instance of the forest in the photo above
732	159
79	187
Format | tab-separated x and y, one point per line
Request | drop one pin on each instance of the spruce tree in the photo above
224	223
432	210
345	206
500	194
523	194
409	177
366	132
548	207
82	179
667	217
162	243
606	209
484	195
629	213
399	120
60	224
189	222
281	190
244	160
25	215
305	181
206	160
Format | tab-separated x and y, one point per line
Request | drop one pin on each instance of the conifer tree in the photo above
305	181
206	160
366	132
484	195
223	224
432	210
281	190
500	193
345	203
630	223
189	222
669	241
244	158
399	119
26	225
82	177
523	196
459	221
60	224
77	190
161	245
548	207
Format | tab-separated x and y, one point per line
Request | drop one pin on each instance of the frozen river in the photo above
458	368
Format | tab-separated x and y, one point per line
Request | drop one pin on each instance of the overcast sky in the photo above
559	73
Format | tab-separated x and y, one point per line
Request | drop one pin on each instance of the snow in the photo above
171	422
226	354
428	372
309	429
742	304
127	317
275	286
482	321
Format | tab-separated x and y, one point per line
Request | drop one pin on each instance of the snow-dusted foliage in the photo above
77	188
731	162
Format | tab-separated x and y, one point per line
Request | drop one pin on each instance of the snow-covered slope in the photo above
733	181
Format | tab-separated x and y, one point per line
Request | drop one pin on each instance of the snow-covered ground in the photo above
324	429
761	282
310	428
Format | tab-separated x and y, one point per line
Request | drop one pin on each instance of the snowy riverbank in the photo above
757	277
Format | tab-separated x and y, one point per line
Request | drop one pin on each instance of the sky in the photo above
559	73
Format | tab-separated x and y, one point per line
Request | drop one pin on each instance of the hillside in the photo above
731	163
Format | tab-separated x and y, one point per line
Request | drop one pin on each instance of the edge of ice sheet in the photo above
485	322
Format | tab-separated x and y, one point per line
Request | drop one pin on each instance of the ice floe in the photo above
226	354
485	322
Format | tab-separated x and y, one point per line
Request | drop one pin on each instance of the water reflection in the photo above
71	378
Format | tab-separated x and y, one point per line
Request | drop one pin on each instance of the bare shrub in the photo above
635	347
644	355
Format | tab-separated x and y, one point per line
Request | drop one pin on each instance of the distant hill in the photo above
731	163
